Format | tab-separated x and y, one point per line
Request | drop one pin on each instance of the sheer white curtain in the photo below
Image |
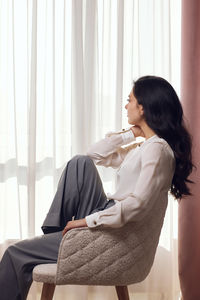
66	68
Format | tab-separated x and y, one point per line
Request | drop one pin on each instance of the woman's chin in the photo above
130	122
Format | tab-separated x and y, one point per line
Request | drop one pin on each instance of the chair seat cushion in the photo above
45	273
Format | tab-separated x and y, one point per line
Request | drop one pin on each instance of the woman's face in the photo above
135	112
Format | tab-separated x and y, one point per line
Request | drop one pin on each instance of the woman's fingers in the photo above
137	131
74	224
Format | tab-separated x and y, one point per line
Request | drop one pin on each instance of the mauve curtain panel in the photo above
189	207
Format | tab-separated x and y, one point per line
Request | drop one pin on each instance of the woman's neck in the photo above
148	132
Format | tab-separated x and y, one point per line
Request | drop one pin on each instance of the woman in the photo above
146	173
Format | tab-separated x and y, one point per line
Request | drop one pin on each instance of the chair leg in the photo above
47	291
122	292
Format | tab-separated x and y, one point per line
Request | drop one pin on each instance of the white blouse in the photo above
144	176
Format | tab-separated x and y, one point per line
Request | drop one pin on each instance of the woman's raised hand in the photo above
137	131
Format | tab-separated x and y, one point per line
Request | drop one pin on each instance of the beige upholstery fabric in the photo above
45	273
106	256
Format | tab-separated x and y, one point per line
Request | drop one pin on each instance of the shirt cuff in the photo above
128	136
91	220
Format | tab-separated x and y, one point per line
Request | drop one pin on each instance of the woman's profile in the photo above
146	172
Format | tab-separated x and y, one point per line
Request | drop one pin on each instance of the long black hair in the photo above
164	115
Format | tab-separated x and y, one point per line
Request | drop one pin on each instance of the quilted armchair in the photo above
104	256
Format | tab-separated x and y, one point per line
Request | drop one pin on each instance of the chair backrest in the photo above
110	256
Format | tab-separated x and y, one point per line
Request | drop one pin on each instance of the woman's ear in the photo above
141	109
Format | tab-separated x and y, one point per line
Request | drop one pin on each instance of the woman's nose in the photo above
126	105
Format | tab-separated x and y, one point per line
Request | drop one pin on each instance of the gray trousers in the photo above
79	194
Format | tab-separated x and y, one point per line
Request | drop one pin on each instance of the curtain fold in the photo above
32	132
189	207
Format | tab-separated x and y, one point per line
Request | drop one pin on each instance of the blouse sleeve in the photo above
108	151
155	176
